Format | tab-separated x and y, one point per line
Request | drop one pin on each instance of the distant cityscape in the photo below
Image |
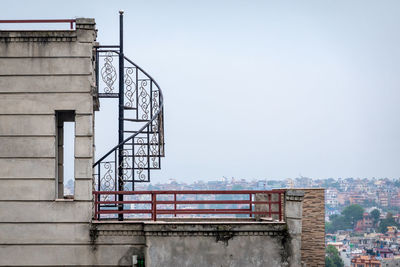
382	193
362	215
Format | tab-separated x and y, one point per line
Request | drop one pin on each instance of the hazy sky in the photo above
259	89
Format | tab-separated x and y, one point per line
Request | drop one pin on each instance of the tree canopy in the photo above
332	257
347	220
389	221
375	214
353	213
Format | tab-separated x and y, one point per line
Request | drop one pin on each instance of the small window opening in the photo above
65	154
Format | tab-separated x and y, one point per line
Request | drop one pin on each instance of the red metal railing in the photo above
70	21
106	203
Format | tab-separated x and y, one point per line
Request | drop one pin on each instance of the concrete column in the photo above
86	30
293	218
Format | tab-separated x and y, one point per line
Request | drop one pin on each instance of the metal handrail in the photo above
154	203
161	104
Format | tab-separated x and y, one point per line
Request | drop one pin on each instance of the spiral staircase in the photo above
140	126
132	160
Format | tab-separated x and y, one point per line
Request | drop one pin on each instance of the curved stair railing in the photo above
132	160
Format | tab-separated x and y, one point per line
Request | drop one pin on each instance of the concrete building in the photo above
48	79
331	197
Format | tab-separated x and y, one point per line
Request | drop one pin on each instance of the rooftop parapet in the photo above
80	33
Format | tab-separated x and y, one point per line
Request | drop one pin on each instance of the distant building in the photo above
365	261
290	183
331	197
384	253
342	198
356	198
365	224
395	200
383	199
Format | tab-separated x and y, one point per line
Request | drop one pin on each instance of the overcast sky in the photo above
259	89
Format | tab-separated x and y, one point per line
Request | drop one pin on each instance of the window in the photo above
65	140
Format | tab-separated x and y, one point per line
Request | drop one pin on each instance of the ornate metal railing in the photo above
142	147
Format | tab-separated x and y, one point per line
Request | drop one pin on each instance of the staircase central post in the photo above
121	114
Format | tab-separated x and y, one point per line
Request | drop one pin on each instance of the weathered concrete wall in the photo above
41	72
313	228
198	243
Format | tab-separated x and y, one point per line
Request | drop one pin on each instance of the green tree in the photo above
332	257
353	213
347	220
375	214
389	221
328	227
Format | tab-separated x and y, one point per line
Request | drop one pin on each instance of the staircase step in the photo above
144	169
145	156
108	95
130	108
143	132
136	120
152	144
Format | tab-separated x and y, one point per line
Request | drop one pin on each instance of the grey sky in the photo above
259	89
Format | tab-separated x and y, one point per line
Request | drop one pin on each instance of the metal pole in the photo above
121	113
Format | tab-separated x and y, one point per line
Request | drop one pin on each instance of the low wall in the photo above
196	243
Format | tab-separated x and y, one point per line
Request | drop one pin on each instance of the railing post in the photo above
97	197
174	204
154	206
250	205
269	205
95	205
280	206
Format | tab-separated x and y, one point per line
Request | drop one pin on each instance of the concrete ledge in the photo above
190	228
37	36
294	195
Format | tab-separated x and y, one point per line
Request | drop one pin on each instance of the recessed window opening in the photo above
65	154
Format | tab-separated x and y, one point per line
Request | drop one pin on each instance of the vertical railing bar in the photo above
269	204
154	205
250	205
115	175
97	70
137	94
99	189
151	122
151	101
280	206
174	204
133	164
159	135
148	153
96	207
98	178
162	130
